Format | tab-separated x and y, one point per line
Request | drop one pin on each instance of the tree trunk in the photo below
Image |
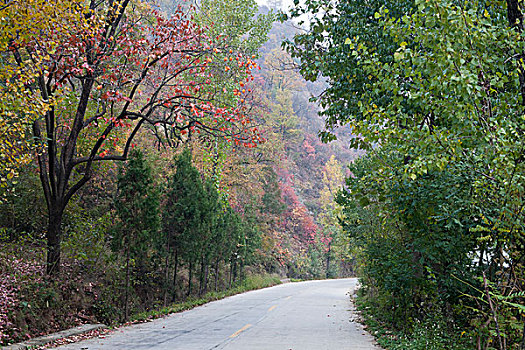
234	271
241	270
206	273
126	292
216	273
54	236
515	18
166	272
175	270
328	260
231	274
201	276
514	15
190	277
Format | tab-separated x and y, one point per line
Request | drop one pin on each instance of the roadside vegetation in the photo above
434	91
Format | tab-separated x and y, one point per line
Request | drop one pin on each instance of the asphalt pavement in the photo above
312	315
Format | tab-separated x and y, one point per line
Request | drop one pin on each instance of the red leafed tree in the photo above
120	69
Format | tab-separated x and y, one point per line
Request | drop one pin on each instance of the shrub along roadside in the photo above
435	90
430	334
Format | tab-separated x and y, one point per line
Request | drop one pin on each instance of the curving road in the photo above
314	315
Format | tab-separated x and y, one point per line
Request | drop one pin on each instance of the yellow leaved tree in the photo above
21	102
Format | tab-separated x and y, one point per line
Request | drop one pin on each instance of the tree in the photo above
333	180
222	246
323	52
183	212
120	69
439	108
249	238
236	22
20	103
211	213
240	31
137	207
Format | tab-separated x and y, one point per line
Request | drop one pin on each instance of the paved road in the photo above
314	315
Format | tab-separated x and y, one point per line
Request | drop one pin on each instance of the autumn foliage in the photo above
166	153
120	68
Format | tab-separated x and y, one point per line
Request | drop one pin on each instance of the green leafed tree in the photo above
435	91
211	213
182	214
236	24
137	207
324	51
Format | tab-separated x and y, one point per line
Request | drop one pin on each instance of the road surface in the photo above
313	315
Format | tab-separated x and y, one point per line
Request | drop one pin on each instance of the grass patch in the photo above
250	283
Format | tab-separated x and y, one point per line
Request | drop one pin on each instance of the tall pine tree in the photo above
137	206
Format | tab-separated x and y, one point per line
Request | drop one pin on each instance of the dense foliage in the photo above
434	89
